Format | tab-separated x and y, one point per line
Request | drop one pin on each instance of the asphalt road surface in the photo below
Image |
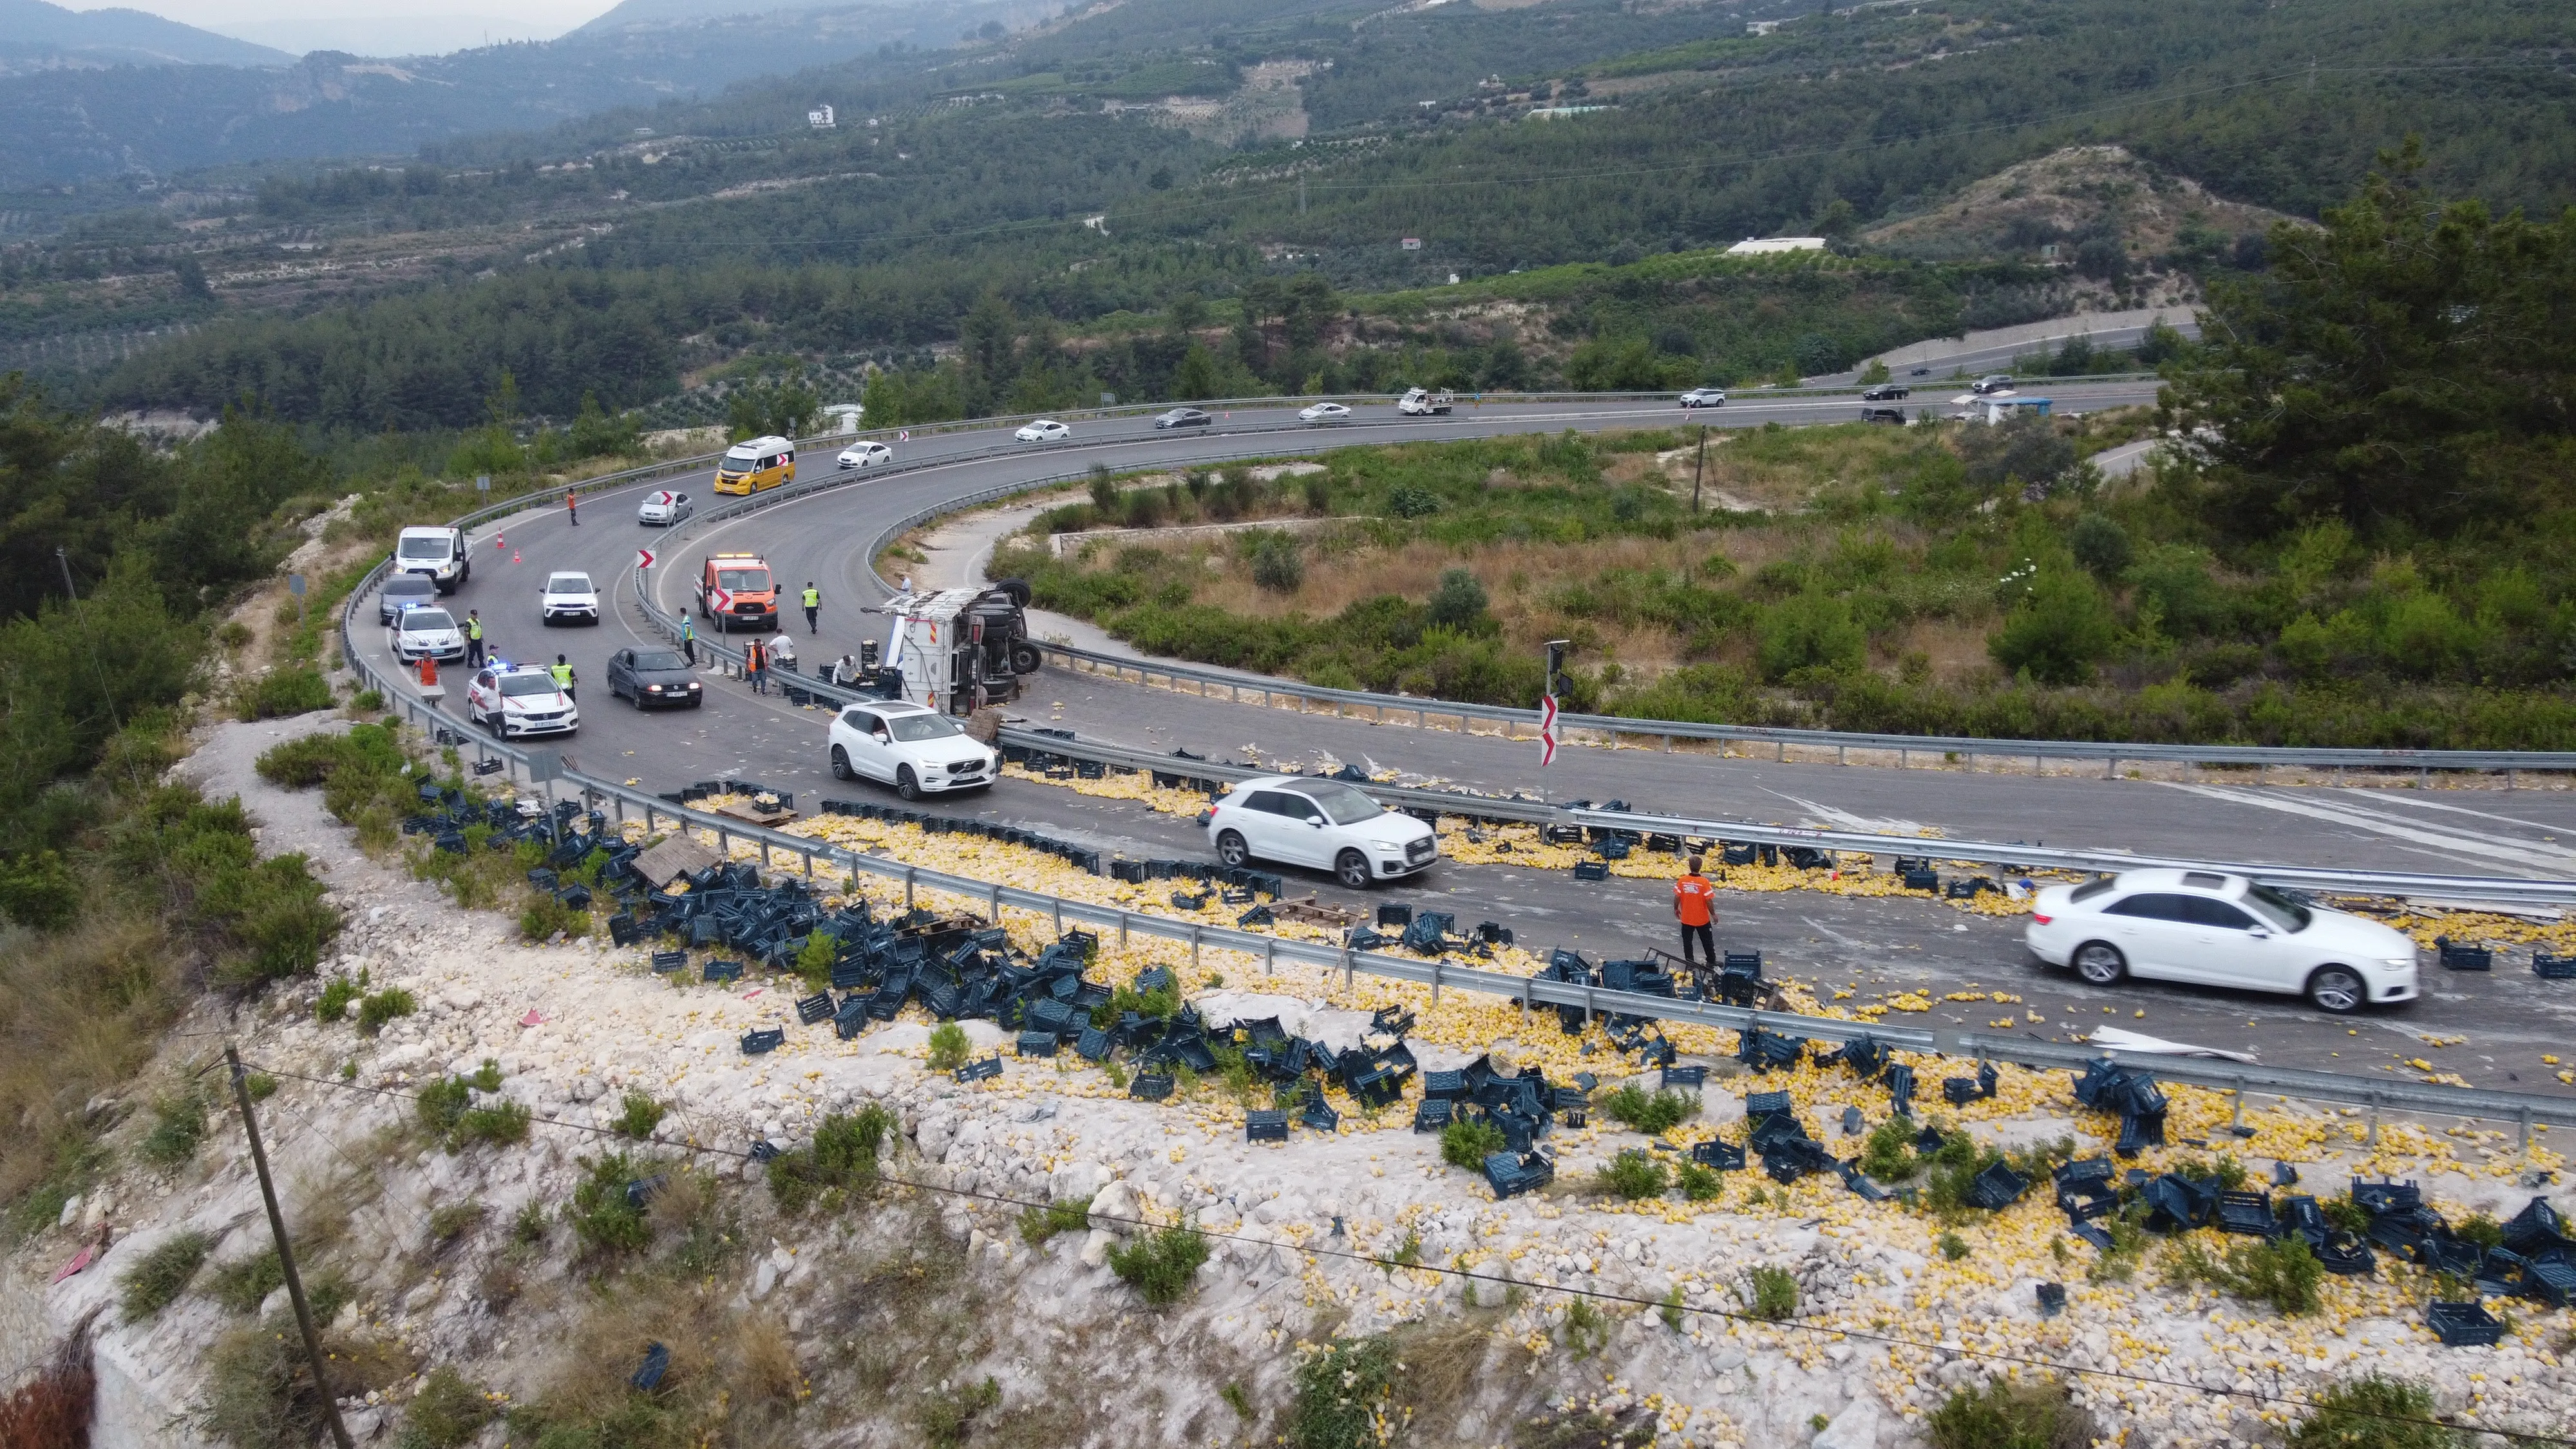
1871	946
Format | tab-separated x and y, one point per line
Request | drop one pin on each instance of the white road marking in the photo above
2387	797
1826	816
2531	855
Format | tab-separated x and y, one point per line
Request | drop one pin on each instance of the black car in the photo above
1894	417
1182	418
653	676
1885	392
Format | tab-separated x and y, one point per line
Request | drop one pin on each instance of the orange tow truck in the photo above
737	590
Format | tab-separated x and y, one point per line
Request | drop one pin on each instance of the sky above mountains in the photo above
374	27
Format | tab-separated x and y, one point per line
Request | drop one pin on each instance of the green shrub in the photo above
447	1412
1037	1224
2059	633
245	1283
282	692
1457	602
2012	1413
178	1126
1466	1142
815	961
1653	1115
1277	565
260	1085
638	1115
337	995
2373	1412
945	1417
1631	1175
1953	1247
446	1108
1408	501
600	1214
2283	1273
1700	1184
1775	1294
1162	1264
2480	1229
948	1047
1888	1153
544	917
1586	1329
841	1161
384	1006
1342	1390
453	1220
158	1278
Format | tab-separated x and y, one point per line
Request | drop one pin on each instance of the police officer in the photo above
1694	902
813	605
689	639
562	671
473	639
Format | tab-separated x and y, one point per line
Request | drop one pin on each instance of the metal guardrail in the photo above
1528	993
1970	748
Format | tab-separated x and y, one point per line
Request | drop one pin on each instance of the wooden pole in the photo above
286	1254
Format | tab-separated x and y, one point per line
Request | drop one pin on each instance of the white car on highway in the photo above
918	751
1044	430
662	508
864	455
426	633
1328	824
513	700
1324	413
568	596
1704	397
2212	929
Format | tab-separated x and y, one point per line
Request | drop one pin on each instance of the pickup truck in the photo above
1422	403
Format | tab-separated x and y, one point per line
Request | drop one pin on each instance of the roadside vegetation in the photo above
2348	574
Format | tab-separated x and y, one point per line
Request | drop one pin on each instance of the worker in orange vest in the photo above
572	507
1694	905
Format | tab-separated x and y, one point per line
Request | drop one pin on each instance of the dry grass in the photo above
1446	1362
79	1013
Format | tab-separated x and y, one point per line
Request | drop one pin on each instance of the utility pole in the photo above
286	1254
1699	466
1301	196
72	591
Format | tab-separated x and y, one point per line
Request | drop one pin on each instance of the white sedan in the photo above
520	700
662	508
918	751
568	596
2212	929
865	455
1044	430
1324	413
426	634
1301	820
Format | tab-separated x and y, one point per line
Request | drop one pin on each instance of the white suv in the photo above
568	596
2212	929
918	751
520	700
1301	820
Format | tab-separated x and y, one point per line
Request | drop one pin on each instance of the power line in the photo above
1625	1300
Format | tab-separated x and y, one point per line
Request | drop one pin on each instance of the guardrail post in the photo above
1059	917
1270	957
1122	930
2111	768
1842	754
724	843
809	863
2372	1140
2526	1129
1194	948
2236	1124
907	888
1346	968
1435	981
995	907
2510	776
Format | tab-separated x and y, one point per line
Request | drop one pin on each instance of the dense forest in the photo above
2369	546
893	233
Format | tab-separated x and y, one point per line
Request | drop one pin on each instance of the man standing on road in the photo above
1694	901
755	667
689	639
473	639
562	671
572	507
813	606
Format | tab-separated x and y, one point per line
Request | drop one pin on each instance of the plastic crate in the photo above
1265	1126
2463	1325
767	1039
1150	1086
2467	958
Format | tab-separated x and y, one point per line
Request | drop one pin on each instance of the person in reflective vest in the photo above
689	640
473	639
1694	905
813	605
562	671
755	667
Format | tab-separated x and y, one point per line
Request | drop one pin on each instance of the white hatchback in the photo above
426	633
1324	413
520	700
568	596
1328	824
865	455
918	751
2213	929
1044	430
662	508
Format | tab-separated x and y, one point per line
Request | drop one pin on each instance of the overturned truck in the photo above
959	650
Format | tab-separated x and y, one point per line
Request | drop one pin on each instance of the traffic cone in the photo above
514	557
498	544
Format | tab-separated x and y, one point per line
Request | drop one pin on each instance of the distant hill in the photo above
37	36
635	14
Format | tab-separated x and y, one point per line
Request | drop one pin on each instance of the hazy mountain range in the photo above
35	36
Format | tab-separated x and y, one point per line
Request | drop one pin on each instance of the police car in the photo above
520	699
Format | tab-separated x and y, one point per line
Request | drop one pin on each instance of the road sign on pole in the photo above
643	558
1546	730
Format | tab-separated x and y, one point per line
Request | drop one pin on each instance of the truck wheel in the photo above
1018	589
1026	658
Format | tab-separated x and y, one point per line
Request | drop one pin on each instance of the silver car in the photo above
404	591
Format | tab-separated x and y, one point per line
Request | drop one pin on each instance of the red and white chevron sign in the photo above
643	558
1546	730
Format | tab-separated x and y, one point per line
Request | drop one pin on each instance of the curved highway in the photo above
1875	946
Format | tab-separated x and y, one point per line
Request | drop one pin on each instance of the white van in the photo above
438	553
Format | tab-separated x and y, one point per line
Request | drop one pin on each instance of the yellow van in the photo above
749	467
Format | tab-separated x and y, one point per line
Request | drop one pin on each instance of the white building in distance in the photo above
1759	246
820	118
